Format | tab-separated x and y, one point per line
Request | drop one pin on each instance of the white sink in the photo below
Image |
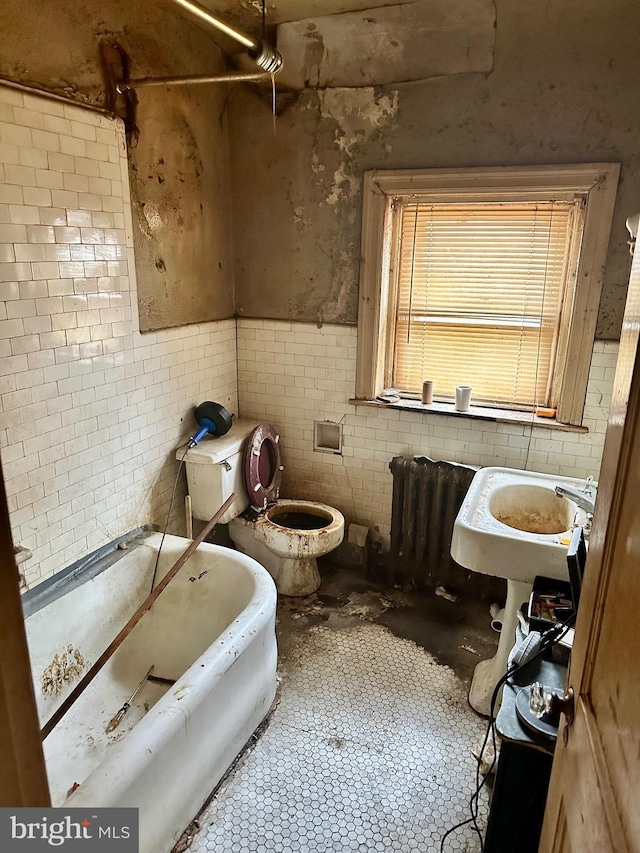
512	525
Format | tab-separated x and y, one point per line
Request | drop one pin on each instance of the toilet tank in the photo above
215	470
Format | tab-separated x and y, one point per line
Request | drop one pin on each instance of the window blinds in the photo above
479	293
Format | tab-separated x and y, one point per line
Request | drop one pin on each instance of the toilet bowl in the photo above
285	536
287	539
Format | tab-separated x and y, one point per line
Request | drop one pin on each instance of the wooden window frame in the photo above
596	183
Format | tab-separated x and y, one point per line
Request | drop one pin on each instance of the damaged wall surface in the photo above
413	41
179	160
298	255
181	207
564	88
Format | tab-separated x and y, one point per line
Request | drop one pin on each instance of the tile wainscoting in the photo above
91	409
294	374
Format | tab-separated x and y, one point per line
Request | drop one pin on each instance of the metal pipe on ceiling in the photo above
196	9
267	57
188	79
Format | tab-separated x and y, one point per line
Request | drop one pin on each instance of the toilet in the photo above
285	536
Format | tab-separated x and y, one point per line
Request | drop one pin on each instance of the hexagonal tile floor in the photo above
369	749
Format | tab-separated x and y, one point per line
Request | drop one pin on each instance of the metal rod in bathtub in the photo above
115	721
137	616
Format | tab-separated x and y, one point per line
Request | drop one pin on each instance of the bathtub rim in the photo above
83	570
258	609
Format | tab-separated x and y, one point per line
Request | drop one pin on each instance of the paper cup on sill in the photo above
427	392
463	398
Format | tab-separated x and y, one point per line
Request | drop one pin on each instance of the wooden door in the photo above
23	780
594	796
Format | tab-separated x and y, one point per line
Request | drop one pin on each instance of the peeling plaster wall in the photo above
181	208
297	200
565	88
411	41
179	163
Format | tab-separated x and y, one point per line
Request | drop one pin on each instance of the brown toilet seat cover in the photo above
262	466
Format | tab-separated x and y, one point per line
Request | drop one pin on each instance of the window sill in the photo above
478	413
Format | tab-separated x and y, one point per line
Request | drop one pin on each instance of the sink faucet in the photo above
582	499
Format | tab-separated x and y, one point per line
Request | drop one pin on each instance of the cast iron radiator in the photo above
426	498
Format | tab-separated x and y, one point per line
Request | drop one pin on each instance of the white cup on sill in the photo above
463	398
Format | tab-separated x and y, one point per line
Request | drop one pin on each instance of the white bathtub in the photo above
212	630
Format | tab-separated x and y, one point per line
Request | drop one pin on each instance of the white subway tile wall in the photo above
294	373
91	409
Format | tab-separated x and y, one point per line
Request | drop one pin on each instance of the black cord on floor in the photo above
473	802
549	638
166	524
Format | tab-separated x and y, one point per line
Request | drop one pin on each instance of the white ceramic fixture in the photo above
212	630
289	552
513	525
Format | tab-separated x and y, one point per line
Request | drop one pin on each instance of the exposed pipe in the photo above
210	18
267	57
185	80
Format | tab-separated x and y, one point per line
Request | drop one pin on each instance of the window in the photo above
486	277
480	289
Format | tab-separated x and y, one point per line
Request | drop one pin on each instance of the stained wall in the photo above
178	158
563	86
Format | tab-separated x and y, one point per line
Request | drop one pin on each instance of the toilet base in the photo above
244	538
292	576
298	576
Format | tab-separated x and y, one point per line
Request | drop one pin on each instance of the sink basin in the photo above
532	509
512	525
